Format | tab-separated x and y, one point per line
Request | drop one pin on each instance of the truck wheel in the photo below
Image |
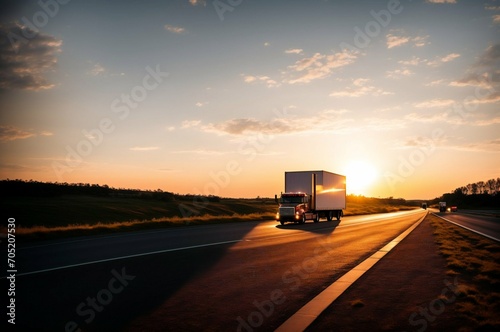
329	215
339	214
303	220
316	218
282	222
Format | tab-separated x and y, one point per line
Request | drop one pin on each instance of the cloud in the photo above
204	152
265	79
360	87
198	2
201	103
487	122
490	57
435	103
294	51
190	123
425	118
496	19
319	66
328	120
381	124
420	142
174	29
414	61
484	73
442	1
491	98
398	73
11	133
483	146
440	60
25	61
144	148
96	70
393	40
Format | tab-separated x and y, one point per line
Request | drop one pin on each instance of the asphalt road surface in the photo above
483	224
239	276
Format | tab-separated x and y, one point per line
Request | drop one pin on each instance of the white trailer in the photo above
312	195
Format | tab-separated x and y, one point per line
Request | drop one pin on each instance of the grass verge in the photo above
475	260
40	218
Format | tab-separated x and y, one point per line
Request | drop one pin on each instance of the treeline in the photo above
474	195
21	188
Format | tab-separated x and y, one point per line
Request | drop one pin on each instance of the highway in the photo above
486	225
237	276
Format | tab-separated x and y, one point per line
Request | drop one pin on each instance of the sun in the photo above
360	176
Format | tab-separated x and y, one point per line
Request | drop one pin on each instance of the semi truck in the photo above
442	206
311	195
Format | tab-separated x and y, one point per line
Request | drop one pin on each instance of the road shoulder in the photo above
408	290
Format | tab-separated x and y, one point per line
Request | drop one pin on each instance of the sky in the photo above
221	97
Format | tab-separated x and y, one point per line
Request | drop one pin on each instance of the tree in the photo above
474	188
491	186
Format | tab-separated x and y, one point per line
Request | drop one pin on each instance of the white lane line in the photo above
125	257
311	310
469	229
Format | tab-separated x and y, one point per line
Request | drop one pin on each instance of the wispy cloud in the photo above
398	73
397	38
434	103
416	117
264	79
328	120
190	123
294	51
198	2
144	148
496	19
201	103
484	73
12	133
205	152
442	1
492	146
395	41
25	62
440	60
96	70
319	66
360	87
174	29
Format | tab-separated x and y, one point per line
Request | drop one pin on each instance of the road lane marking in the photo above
125	257
469	229
311	310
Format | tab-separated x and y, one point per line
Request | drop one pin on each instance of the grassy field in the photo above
475	260
79	215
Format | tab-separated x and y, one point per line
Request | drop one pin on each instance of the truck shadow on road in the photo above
320	227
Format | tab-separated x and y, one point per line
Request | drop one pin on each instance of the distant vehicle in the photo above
454	209
442	206
424	206
311	195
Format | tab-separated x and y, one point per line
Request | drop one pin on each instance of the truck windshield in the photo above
292	199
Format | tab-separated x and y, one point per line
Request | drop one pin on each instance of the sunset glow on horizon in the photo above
221	98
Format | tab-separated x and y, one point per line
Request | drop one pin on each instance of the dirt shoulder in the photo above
408	290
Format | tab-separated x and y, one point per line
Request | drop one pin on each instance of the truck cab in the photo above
293	207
